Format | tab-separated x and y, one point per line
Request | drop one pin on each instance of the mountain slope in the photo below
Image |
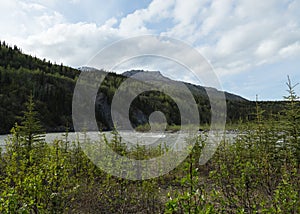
52	87
195	89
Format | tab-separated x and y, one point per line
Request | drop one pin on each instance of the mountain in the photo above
237	106
154	76
146	75
52	86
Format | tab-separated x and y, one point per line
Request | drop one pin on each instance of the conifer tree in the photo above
31	129
292	120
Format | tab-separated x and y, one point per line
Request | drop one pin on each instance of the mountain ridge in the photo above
158	76
52	87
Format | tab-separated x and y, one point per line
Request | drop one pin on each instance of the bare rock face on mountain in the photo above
146	75
156	77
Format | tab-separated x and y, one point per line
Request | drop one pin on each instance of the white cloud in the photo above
73	44
247	34
234	35
215	15
186	11
266	48
74	1
135	23
19	19
291	50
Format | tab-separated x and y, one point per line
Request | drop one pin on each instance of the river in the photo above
131	138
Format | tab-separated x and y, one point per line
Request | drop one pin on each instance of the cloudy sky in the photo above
252	45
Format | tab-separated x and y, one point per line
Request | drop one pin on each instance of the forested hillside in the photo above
51	85
52	88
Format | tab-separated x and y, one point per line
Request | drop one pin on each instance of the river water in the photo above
130	138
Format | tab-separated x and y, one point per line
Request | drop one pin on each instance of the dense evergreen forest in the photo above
258	172
52	87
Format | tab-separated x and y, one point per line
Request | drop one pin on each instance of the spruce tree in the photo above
31	129
291	123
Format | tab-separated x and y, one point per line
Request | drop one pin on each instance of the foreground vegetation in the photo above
259	173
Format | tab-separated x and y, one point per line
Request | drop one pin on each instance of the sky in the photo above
251	45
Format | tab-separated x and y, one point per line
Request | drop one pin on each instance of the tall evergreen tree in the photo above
31	129
291	123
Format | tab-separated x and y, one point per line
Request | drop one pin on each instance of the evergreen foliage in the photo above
31	129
